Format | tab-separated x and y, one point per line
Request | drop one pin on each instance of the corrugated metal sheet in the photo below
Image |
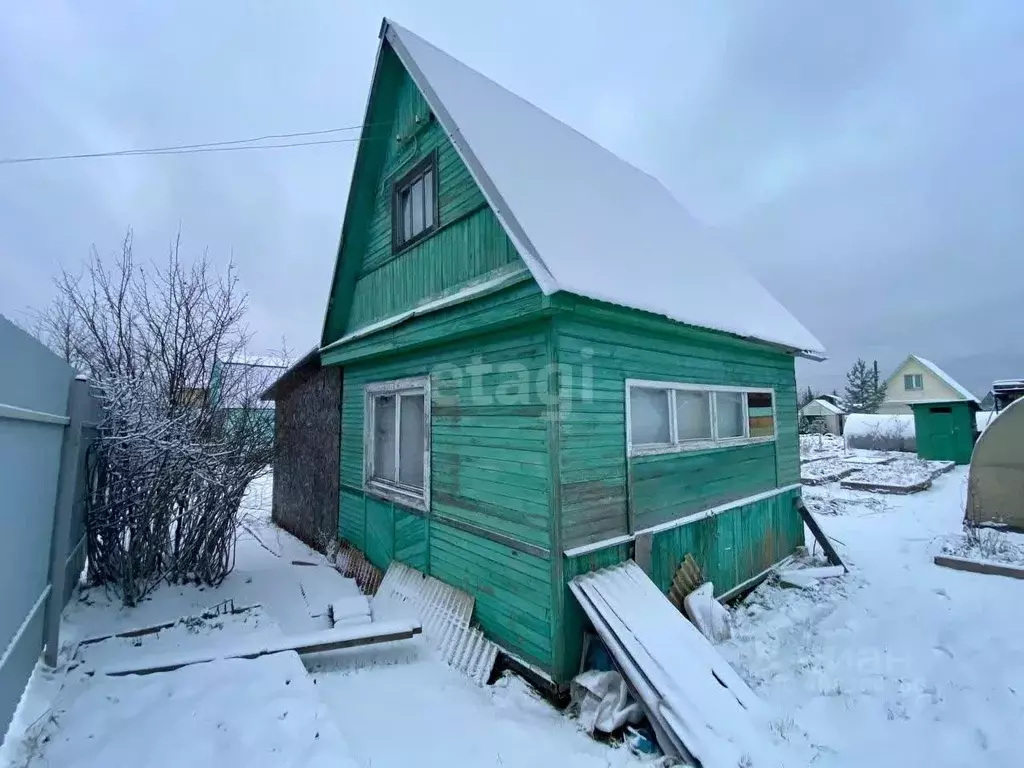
354	565
698	704
445	613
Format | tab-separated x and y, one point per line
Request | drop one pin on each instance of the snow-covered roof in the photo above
585	221
310	360
828	406
1001	384
949	380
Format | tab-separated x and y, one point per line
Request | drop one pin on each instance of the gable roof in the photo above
948	380
830	407
583	220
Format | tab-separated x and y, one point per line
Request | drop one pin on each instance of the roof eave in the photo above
271	393
352	182
500	208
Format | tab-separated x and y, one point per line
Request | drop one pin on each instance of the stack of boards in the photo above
698	706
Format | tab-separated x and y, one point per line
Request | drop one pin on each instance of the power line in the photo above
210	146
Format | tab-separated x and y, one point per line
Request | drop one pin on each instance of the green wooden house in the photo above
236	386
548	366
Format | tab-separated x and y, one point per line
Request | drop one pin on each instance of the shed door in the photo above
941	428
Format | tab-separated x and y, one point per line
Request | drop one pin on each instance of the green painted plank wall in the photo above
352	518
512	305
469	242
411	539
598	347
489	447
490	471
672	485
512	589
380	532
731	547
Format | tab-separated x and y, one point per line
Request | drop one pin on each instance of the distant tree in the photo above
806	396
864	393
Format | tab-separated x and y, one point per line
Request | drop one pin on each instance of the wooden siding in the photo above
411	539
598	348
489	450
306	442
731	547
352	518
468	244
509	306
488	529
669	486
512	589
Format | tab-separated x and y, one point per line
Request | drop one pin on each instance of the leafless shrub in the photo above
987	544
180	440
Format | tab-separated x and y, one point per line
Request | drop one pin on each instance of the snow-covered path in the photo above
902	663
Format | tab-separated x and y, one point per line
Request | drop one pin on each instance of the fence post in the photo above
70	456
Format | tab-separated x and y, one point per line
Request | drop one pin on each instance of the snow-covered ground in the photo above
390	705
825	460
898	663
987	545
820	446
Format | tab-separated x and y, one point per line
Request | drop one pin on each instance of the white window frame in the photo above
914	378
675	445
394	491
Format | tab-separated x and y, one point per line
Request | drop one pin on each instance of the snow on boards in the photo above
697	704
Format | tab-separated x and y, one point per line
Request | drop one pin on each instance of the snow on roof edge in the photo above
547	281
949	380
828	406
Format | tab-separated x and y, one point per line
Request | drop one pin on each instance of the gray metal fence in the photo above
47	420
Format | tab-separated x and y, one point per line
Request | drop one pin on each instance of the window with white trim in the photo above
396	440
663	417
913	382
414	204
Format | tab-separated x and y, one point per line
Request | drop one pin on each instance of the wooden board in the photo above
873	487
316	642
977	566
696	702
819	535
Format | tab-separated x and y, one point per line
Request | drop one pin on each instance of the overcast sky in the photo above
866	158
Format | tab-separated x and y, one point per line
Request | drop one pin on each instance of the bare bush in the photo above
180	440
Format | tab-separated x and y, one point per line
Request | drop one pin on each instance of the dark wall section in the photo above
306	462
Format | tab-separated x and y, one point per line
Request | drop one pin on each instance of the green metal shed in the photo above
946	430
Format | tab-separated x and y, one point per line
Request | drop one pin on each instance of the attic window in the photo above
913	382
414	204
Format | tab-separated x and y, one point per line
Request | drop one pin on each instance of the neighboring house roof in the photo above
309	361
826	405
945	377
236	379
585	221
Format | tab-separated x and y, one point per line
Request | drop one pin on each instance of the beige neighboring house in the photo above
918	380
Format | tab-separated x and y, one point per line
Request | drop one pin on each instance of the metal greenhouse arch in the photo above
995	490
